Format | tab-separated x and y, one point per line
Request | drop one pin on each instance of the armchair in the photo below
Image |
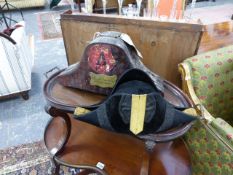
208	80
16	63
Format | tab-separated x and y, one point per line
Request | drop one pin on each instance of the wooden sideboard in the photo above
216	36
162	44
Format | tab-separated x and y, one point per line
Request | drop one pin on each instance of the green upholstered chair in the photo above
208	80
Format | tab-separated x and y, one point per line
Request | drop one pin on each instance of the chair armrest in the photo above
7	37
224	130
189	90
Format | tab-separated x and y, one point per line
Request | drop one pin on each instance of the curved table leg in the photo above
56	150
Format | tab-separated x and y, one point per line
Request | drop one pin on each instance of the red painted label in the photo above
100	58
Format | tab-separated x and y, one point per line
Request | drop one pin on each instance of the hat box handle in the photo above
51	70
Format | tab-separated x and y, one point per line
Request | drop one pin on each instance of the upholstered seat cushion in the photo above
16	62
212	79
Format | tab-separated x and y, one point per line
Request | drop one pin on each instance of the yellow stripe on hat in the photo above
80	111
138	110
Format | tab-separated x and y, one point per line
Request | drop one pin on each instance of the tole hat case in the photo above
107	56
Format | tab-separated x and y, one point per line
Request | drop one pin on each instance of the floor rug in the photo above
49	22
28	159
49	25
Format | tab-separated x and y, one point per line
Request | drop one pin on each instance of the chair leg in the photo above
25	95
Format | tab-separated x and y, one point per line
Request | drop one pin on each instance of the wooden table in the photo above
121	154
216	36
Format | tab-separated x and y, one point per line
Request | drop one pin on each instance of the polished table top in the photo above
216	36
122	154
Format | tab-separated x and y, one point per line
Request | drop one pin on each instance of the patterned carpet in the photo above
49	22
24	159
49	25
28	159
